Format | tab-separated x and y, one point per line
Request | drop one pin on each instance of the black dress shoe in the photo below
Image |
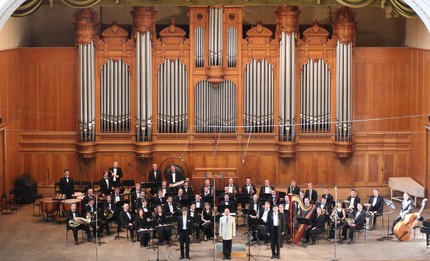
272	257
181	257
76	242
278	257
187	257
224	258
229	257
350	242
90	240
313	243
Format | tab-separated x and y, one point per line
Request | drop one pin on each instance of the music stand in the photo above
150	226
118	207
186	202
266	197
98	224
158	243
391	206
170	220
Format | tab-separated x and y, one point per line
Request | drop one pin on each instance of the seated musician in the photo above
254	207
304	213
90	212
207	185
293	188
135	194
160	199
179	197
266	188
163	232
274	200
170	207
227	192
117	196
164	188
228	203
109	208
207	217
286	204
89	195
198	202
405	208
339	215
174	176
232	188
141	224
325	208
73	214
359	218
353	199
275	230
105	184
67	186
311	193
138	201
317	227
195	220
302	195
126	220
188	190
329	198
377	204
248	187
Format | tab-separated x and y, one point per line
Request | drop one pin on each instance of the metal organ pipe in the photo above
215	36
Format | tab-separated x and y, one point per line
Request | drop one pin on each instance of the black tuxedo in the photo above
317	228
314	197
104	188
262	190
155	176
329	200
252	189
177	200
160	201
166	208
256	206
231	205
379	206
359	220
114	198
188	192
117	183
295	190
179	177
75	229
67	188
356	201
184	235
125	221
275	232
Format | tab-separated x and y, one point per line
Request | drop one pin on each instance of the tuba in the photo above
80	220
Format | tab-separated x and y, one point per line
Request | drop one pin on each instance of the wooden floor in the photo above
27	237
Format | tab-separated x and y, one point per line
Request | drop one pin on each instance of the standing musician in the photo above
174	176
353	199
188	190
293	188
275	230
184	230
141	224
377	204
207	217
340	212
406	208
105	184
126	220
266	188
163	232
317	228
117	196
67	185
311	193
74	215
357	224
286	218
227	230
329	198
264	215
248	188
115	174
232	188
195	221
154	175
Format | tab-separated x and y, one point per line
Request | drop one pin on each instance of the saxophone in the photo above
81	220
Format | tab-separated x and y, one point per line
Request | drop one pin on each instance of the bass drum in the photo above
369	220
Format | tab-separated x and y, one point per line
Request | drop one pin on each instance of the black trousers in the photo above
83	227
184	243
274	241
226	247
351	231
144	238
395	221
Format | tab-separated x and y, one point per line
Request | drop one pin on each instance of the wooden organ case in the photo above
258	102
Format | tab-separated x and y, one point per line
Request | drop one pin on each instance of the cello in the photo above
402	230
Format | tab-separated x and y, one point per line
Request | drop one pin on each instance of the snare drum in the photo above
67	205
50	208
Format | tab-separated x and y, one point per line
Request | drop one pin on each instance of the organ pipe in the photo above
343	92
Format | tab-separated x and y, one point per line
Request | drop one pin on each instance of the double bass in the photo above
403	229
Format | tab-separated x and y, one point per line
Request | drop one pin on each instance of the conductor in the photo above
227	230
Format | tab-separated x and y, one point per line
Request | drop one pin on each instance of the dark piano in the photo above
425	229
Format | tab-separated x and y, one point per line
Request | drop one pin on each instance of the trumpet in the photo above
80	220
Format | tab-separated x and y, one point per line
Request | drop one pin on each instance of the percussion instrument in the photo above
346	203
49	208
67	205
367	206
369	220
78	194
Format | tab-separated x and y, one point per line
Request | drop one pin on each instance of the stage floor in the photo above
27	237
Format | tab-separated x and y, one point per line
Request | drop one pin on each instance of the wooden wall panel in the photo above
389	167
324	169
360	168
374	170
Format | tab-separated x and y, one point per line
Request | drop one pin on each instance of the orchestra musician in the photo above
293	188
198	202
174	176
105	184
256	207
207	196
117	196
179	197
248	187
154	176
184	231
266	188
88	196
90	211
160	199
227	231
126	220
317	227
264	215
208	187
359	218
141	224
325	208
311	193
302	195
232	188
377	204
286	217
163	231
230	204
207	217
170	207
108	207
115	175
67	185
138	203
274	198
405	208
164	188
339	211
188	190
195	221
275	230
353	199
73	214
135	193
329	198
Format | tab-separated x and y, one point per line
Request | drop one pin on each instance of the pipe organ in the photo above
285	87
